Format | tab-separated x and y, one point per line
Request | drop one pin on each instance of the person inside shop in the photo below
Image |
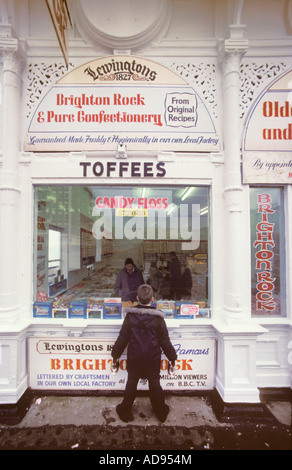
128	281
145	333
161	263
155	276
164	289
174	269
186	283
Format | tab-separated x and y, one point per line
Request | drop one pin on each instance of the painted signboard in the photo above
121	100
86	364
267	146
267	254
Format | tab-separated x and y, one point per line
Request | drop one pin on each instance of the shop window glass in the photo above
83	235
55	244
267	252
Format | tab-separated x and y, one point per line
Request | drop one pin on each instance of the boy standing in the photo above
144	331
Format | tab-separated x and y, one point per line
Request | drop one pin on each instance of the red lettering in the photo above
100	364
114	202
264	198
278	134
265	208
126	100
185	364
97	201
55	364
264	296
87	364
123	364
272	109
265	282
265	276
267	109
164	364
152	203
52	117
68	364
265	286
263	226
266	305
263	257
264	239
130	201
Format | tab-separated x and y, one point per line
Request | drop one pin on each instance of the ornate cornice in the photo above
12	55
232	50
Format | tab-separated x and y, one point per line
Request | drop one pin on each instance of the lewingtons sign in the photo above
121	99
121	70
84	364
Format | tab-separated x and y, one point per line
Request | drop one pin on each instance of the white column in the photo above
9	185
233	191
236	334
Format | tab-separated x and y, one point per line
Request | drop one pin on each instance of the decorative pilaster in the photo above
236	336
9	185
234	49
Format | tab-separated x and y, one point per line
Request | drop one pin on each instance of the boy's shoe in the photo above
170	368
162	415
115	366
125	417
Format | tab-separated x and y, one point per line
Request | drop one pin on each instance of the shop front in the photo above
145	168
127	203
85	236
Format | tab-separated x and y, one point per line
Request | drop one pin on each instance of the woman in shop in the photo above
175	276
186	283
161	263
155	277
128	281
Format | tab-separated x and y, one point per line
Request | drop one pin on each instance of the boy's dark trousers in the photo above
156	396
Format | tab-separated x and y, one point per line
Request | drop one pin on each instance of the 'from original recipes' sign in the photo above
267	146
85	364
121	100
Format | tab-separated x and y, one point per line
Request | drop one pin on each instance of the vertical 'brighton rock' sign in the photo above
265	245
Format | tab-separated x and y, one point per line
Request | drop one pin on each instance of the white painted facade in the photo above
229	52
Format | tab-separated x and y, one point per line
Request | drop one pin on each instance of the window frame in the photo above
165	186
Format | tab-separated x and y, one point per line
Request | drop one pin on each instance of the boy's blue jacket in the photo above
145	333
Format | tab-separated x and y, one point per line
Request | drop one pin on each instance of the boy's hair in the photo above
145	294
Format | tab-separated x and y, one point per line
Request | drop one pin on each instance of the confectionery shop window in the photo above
267	251
94	245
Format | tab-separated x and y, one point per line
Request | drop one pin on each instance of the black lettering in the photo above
123	167
98	169
148	169
111	166
85	165
162	170
135	169
94	169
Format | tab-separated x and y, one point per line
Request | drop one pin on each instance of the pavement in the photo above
91	423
